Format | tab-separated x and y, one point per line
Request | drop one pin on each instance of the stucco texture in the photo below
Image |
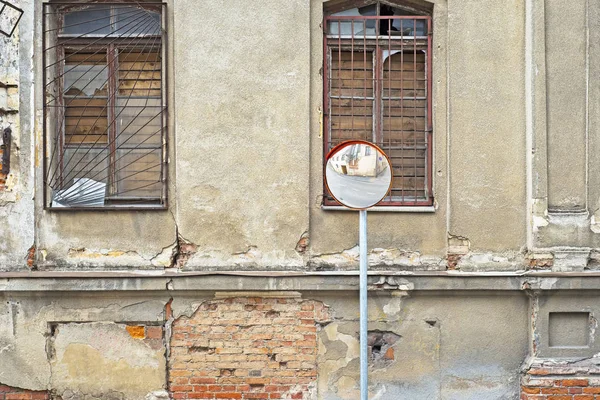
242	130
449	347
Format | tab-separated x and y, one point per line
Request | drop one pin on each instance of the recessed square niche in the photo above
569	329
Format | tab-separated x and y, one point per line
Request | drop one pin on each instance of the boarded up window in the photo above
378	88
105	105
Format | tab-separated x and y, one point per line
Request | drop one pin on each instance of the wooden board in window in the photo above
140	74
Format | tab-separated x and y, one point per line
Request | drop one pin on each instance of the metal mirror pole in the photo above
364	365
358	175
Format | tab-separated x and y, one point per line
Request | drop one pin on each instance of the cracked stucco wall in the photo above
254	203
16	112
450	346
79	347
444	344
101	360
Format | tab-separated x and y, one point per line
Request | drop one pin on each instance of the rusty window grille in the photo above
105	105
377	87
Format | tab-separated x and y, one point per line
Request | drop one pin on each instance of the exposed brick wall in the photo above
561	388
11	393
246	348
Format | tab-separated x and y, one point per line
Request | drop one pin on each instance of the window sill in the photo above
149	207
404	209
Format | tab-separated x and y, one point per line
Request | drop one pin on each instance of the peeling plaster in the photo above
570	259
594	226
393	308
308	393
534	301
165	257
539	283
593	328
250	258
103	258
594	260
392	283
167	336
303	243
158	395
506	261
16	193
540	260
102	358
539	222
183	250
331	359
378	258
82	252
539	213
411	351
458	244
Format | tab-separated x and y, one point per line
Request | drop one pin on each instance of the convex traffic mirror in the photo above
358	174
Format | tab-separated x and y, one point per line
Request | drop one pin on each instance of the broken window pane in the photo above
86	74
345	26
136	21
109	109
84	184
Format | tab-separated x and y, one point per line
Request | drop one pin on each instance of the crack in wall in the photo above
183	249
167	333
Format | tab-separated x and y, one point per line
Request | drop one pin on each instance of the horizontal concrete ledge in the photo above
295	281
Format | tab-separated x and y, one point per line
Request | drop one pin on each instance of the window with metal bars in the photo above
377	87
105	105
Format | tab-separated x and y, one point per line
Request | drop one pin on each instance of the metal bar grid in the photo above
123	71
397	82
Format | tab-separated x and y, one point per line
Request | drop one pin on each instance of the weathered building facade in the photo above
230	274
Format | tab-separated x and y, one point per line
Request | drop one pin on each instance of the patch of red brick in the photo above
13	393
246	348
561	389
